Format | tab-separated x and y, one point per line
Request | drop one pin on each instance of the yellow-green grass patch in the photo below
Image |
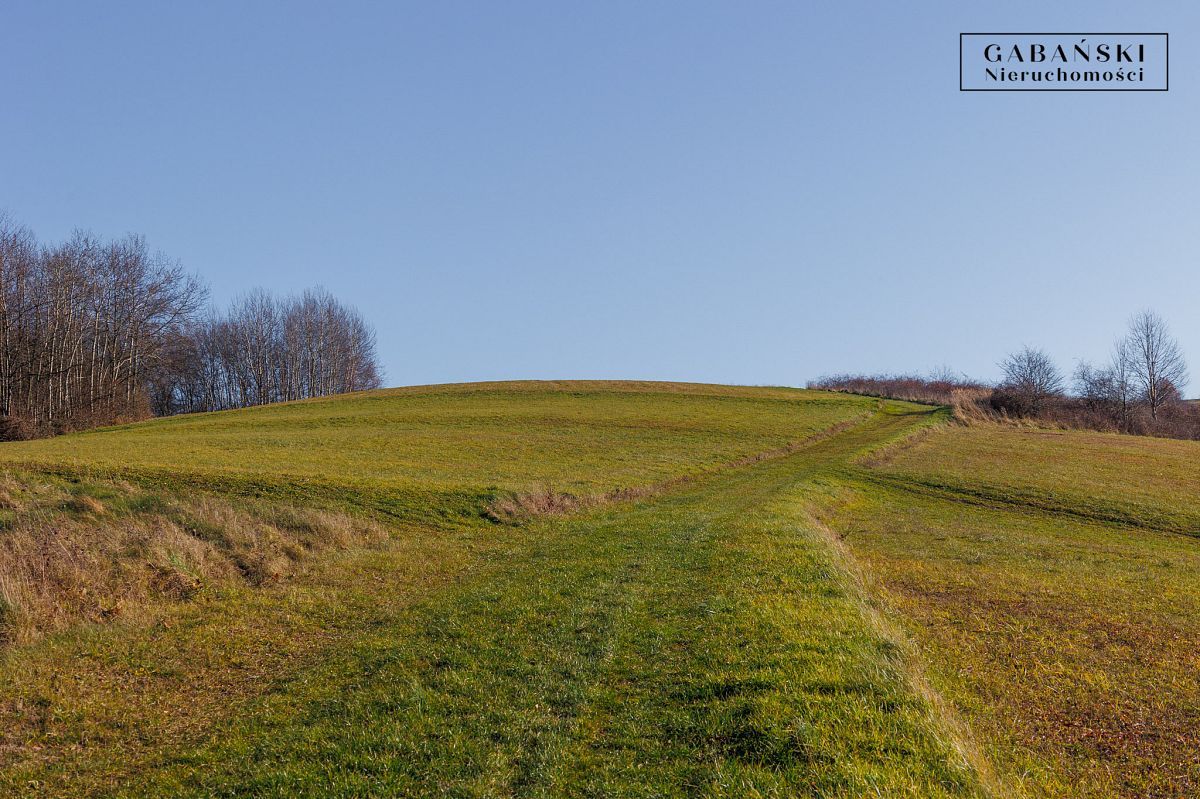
1105	476
1069	646
574	436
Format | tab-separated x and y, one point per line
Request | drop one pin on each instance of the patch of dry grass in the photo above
68	556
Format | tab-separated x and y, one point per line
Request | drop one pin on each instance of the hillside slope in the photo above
101	522
767	592
1052	579
577	435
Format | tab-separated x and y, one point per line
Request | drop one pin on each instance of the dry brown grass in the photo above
69	558
968	406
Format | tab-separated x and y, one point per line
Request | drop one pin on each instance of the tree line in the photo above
1139	390
96	332
266	349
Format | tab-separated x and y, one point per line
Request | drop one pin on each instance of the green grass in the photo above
705	644
709	641
1067	639
574	436
886	610
1150	482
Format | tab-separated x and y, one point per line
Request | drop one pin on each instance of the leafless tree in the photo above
1109	389
81	323
266	349
1157	368
1031	378
1120	378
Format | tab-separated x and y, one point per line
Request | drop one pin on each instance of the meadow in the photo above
578	436
1138	480
770	592
1053	579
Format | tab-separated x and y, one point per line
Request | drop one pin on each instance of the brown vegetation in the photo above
1137	392
939	389
974	403
95	333
68	556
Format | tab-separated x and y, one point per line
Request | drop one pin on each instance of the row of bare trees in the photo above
1138	390
94	332
267	349
82	324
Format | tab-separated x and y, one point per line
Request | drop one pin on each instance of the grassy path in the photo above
706	643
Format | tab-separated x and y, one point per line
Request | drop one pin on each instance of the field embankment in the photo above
75	550
1143	482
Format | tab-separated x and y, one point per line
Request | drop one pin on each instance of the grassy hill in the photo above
751	592
578	435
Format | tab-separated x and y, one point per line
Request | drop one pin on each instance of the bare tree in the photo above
1109	389
1090	383
82	323
1156	365
1120	382
265	349
1031	378
94	332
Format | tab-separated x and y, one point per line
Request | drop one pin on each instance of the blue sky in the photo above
732	192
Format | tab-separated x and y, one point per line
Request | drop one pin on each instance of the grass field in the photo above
1146	482
825	595
1053	579
577	436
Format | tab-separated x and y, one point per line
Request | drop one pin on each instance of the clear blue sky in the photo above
737	192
